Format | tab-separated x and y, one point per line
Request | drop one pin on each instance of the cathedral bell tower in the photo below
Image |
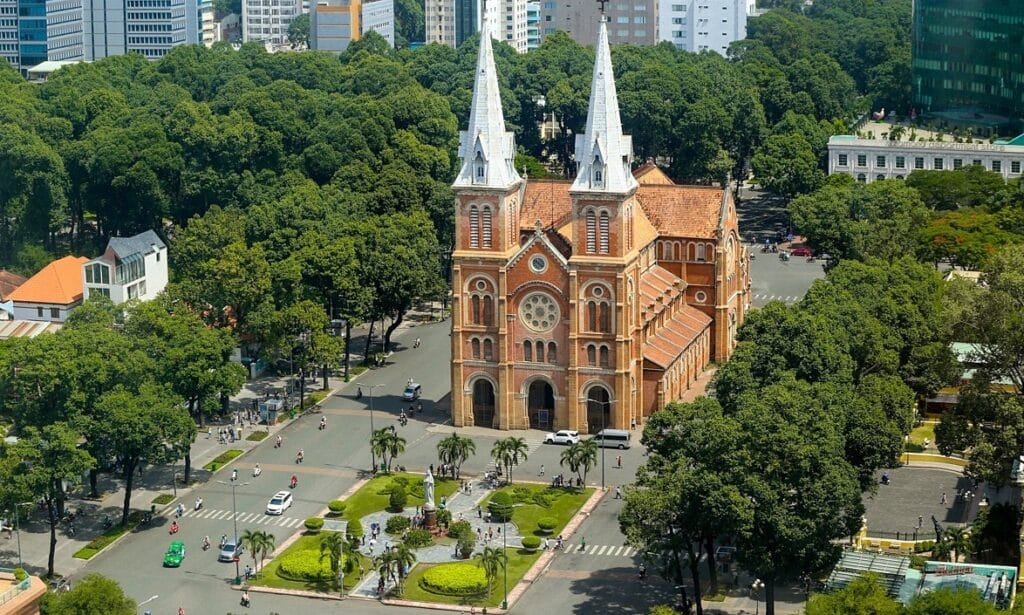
487	205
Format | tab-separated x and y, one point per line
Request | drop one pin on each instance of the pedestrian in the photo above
490	533
583	544
618	493
943	502
479	513
542	469
632	424
479	534
544	545
618	460
431	468
920	521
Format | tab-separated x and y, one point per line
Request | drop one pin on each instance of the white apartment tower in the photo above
268	20
450	22
149	27
439	22
699	25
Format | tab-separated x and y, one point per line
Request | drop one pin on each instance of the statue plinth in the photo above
429	517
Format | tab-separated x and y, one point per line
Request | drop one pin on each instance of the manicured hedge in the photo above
500	507
397	524
354	528
547	524
398	498
304	565
455	579
418	538
314	524
460	529
531	542
336	506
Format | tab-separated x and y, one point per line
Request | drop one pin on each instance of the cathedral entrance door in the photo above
483	403
540	405
599	409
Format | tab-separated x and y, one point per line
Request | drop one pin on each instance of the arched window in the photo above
476	309
485	231
700	253
479	169
604	356
488	350
488	311
606	319
603	233
475	343
540	352
591	232
552	354
591	316
474	226
598	172
862	178
591	355
528	351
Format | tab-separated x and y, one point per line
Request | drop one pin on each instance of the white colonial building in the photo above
869	159
130	268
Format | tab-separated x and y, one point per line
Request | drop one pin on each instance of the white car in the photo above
279	503
566	436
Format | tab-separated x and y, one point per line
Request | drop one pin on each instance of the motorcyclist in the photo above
295	481
174	527
199	503
206	542
299	457
256	471
278	444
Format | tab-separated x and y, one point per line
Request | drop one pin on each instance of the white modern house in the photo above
867	160
130	268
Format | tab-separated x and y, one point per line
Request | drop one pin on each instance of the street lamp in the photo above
234	518
504	556
174	483
756	587
604	413
17	530
373	456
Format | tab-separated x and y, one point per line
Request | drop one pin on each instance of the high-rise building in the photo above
207	23
699	25
379	17
452	22
629	21
439	22
268	20
149	27
34	31
968	64
334	24
532	25
512	24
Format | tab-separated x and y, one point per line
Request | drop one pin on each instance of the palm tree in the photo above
491	560
387	445
456	450
571	458
332	547
587	457
959	541
509	452
259	543
403	558
383	563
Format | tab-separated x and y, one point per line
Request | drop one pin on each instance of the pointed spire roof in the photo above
485	142
603	153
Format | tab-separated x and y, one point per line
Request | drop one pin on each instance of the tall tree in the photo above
93	593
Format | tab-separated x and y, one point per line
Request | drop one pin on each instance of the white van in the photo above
612	438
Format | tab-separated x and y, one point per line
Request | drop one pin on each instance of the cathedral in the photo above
591	303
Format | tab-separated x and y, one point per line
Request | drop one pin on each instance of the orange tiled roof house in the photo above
584	304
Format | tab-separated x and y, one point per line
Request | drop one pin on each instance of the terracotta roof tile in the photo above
547	201
8	282
59	283
651	173
671	340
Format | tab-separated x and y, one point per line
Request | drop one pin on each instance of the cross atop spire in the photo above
602	3
487	150
603	153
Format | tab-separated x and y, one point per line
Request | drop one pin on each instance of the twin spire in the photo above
603	153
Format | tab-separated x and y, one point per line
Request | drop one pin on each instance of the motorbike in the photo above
294	483
107	522
147	518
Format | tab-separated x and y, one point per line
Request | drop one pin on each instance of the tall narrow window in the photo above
476	348
476	309
474	227
552	355
592	316
488	311
604	356
591	232
540	352
528	351
629	228
479	169
488	350
700	252
606	320
591	355
604	233
485	231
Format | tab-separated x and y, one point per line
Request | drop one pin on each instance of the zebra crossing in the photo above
601	550
214	514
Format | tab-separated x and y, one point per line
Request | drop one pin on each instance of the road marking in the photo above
608	550
601	550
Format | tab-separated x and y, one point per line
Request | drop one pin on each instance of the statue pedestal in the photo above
429	518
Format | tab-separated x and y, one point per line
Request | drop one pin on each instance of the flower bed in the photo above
455	580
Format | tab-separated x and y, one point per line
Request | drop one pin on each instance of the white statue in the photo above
428	491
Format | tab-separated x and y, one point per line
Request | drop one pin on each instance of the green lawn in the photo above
268	574
222	459
563	505
257	436
924	431
371	496
163	499
519	562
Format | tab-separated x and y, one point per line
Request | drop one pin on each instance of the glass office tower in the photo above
968	64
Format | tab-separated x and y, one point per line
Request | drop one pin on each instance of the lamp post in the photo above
373	455
234	518
174	483
504	560
17	530
604	421
756	587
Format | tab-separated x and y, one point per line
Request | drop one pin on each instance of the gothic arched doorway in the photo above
599	409
483	403
540	404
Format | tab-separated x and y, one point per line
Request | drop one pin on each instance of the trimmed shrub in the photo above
522	495
531	543
460	529
500	507
418	538
20	574
444	517
547	524
544	498
924	545
336	506
466	544
398	498
314	524
397	524
455	579
304	565
354	529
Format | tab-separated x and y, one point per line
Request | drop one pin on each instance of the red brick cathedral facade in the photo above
584	304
